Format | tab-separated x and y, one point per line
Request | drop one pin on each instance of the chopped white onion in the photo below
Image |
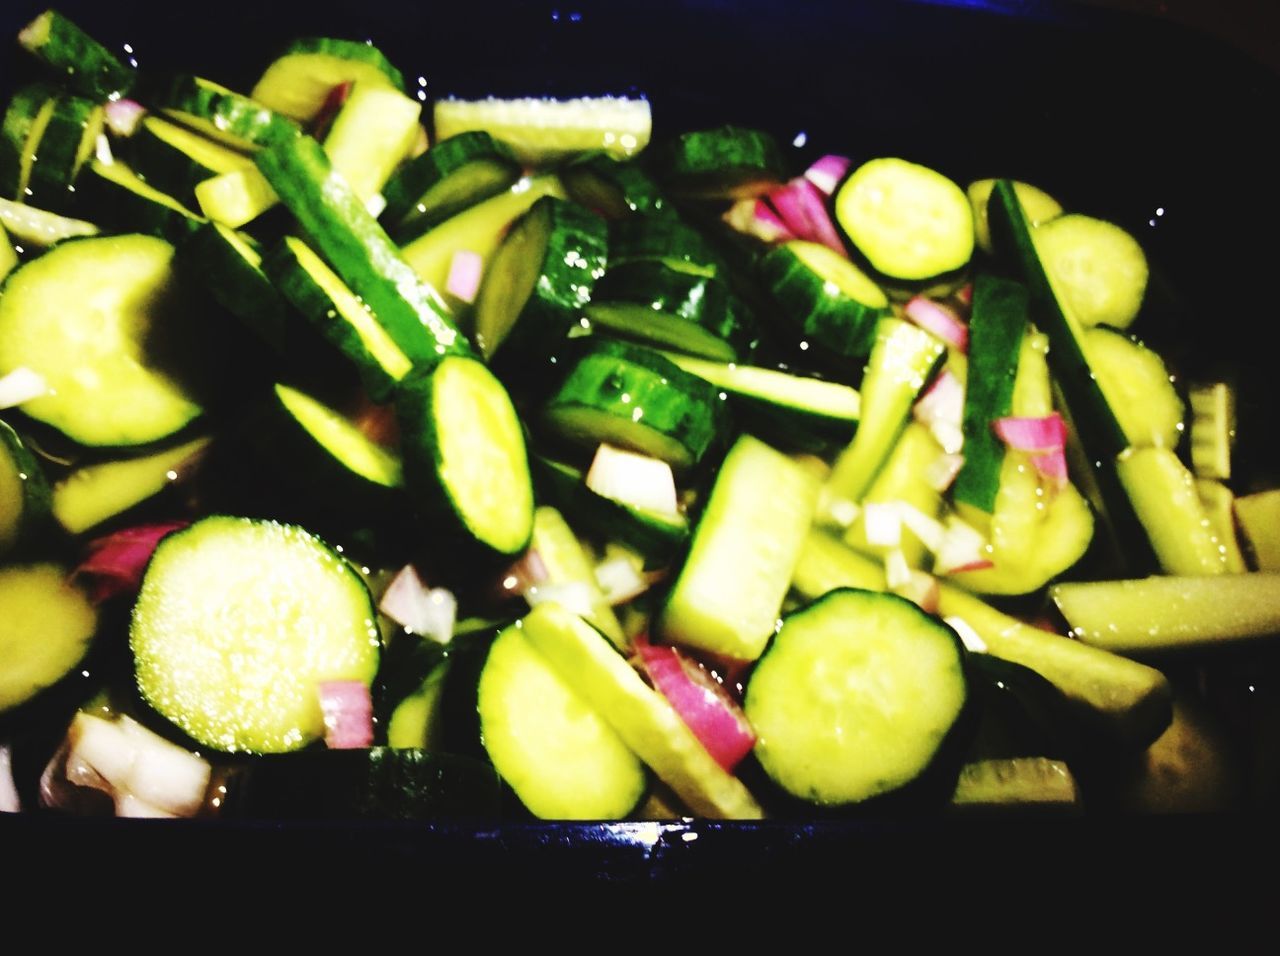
375	204
620	580
942	471
921	589
633	479
963	548
9	802
841	512
897	573
573	596
883	524
929	530
429	612
123	116
135	762
941	409
21	385
969	637
128	805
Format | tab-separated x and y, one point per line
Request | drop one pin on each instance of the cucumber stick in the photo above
75	58
541	131
729	592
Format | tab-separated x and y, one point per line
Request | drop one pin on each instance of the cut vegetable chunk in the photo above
237	623
224	115
1098	268
76	58
729	162
560	756
24	492
46	625
855	697
82	316
298	82
1039	205
449	177
1137	386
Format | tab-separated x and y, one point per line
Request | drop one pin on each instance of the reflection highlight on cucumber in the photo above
828	432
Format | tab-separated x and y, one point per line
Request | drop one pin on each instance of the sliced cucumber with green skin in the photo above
632	397
560	756
344	232
661	306
1219	508
99	492
300	79
729	162
449	177
1213	429
908	221
662	239
657	537
67	142
36	227
24	493
829	300
174	160
541	279
235	625
567	563
1163	493
1137	386
1040	207
77	59
479	229
1128	701
236	197
1159	614
223	115
1259	518
729	593
1098	269
613	188
377	784
46	626
543	131
81	316
996	328
644	720
333	309
327	455
901	361
856	697
807	412
29	109
117	198
416	718
464	455
372	133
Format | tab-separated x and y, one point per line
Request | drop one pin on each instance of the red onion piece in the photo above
429	612
330	109
123	116
465	270
1046	434
941	409
964	295
753	217
526	572
938	320
115	563
1052	465
827	172
21	385
348	714
705	706
804	211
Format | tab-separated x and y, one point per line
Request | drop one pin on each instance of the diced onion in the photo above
942	471
929	530
753	217
941	409
633	479
115	563
705	706
123	116
21	385
429	612
1045	438
883	524
803	209
897	573
526	572
827	172
620	580
970	638
921	589
963	548
575	596
938	320
465	269
348	714
9	802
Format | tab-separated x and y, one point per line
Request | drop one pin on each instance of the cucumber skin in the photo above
407	186
37	495
247	122
78	60
21	112
53	177
116	207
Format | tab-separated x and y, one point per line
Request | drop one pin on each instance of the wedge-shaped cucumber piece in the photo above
1097	267
84	316
1138	386
46	625
557	752
238	622
730	590
641	716
74	57
1163	492
449	177
224	115
300	79
1150	615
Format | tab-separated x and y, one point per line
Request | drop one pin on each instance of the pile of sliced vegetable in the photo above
480	459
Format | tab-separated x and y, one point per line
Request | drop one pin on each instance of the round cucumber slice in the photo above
1098	269
1038	205
46	625
236	624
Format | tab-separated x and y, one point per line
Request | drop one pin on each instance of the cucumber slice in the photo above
662	239
28	109
1098	269
856	697
1259	517
901	361
415	722
658	305
95	493
451	176
237	197
36	227
78	60
174	160
614	188
1158	614
567	563
640	715
81	316
371	135
24	493
119	199
1163	493
729	593
224	115
632	397
996	328
1021	782
729	162
1219	507
1137	386
464	455
1039	206
298	82
57	157
542	277
559	755
825	297
235	625
333	309
1213	429
46	626
542	131
909	222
